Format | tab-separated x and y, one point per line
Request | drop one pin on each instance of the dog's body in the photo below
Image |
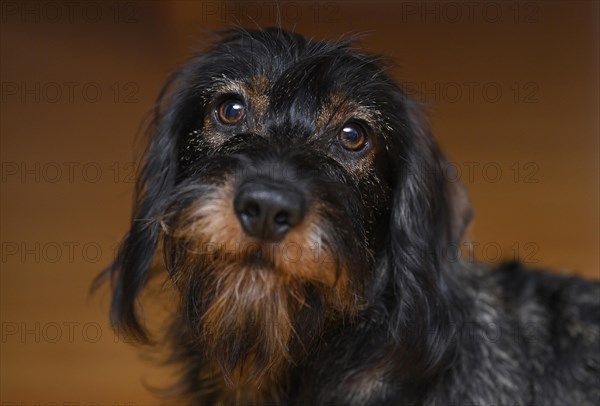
299	203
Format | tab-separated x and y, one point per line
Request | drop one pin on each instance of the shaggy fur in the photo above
358	303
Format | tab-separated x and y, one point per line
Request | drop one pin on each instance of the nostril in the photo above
251	209
282	218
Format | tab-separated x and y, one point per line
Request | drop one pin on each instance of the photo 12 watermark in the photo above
51	252
285	12
474	92
69	12
68	92
470	12
67	172
66	403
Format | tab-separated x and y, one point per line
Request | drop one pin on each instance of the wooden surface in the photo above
528	154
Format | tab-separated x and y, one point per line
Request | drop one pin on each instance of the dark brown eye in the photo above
231	111
352	137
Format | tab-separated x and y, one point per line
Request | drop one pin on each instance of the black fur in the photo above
428	330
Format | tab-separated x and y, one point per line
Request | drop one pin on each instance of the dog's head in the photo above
290	184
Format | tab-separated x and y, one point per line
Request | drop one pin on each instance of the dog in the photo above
296	201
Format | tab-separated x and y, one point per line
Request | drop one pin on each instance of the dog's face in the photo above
286	181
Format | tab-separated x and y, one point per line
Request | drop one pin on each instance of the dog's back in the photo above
521	337
530	338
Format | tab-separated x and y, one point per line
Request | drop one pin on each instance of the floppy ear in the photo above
429	216
176	112
130	270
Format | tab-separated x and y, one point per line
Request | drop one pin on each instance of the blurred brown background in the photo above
514	100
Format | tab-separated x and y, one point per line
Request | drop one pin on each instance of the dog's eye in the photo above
231	111
352	137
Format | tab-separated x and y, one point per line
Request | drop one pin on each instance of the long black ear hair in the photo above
176	112
429	216
156	179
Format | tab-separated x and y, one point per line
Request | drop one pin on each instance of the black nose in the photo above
268	210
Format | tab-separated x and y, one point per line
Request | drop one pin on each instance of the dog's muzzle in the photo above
268	209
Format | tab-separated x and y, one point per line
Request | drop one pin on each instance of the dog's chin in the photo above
246	322
248	304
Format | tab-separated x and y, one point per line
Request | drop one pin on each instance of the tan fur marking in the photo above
335	112
258	94
254	91
266	294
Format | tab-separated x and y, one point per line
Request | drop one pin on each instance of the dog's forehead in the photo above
313	90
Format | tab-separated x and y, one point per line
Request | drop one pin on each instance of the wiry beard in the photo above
244	321
243	298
